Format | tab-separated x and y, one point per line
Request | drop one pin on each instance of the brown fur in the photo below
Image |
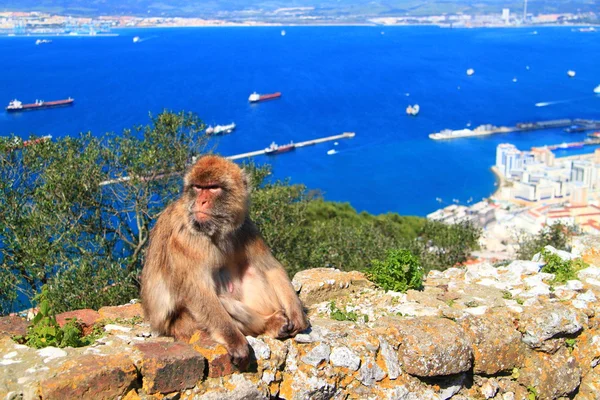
207	267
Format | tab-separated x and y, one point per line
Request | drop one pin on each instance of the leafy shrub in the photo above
556	235
441	246
564	270
400	271
44	331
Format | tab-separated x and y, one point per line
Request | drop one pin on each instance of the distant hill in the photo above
268	9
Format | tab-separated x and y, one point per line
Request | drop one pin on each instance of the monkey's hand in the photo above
239	352
298	322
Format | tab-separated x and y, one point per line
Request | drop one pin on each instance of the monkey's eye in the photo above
212	188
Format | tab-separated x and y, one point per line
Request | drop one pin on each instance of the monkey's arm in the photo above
210	315
260	256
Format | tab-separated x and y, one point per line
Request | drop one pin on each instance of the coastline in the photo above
500	180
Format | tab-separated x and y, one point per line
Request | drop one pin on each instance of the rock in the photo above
520	267
432	346
489	388
553	375
589	272
344	357
239	388
51	353
496	343
13	325
390	358
542	323
564	255
261	350
317	355
93	377
370	373
321	284
169	367
574	285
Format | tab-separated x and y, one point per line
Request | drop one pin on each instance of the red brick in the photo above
170	367
13	325
126	311
91	377
218	360
87	317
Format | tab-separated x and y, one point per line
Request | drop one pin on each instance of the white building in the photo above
506	15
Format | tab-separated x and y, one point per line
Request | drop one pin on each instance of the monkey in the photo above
208	269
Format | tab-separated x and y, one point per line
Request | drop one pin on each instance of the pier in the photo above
570	145
345	135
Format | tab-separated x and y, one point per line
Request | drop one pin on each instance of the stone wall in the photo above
478	332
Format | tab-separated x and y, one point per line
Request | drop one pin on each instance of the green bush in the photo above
441	246
556	235
399	271
44	331
564	270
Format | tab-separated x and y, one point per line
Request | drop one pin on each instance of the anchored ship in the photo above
220	129
276	149
413	110
16	105
255	97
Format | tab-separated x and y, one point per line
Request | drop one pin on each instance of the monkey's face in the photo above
216	194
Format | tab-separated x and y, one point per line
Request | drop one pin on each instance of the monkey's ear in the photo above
247	180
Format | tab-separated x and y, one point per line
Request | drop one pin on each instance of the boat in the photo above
42	41
331	152
571	73
220	129
481	130
413	110
470	71
136	39
283	32
276	149
597	89
15	105
255	97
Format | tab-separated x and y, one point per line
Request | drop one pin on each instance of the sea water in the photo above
333	80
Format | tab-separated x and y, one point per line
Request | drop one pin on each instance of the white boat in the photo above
136	39
282	32
514	79
42	41
470	71
220	129
413	110
331	152
571	73
597	89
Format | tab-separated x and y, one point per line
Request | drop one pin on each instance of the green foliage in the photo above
441	246
532	393
564	270
61	227
44	331
399	271
556	235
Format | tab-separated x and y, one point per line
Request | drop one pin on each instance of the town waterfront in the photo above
333	80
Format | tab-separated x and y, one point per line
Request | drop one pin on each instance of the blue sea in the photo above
333	79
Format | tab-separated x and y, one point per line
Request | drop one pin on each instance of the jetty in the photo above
570	145
345	135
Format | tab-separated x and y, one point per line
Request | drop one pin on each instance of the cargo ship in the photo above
276	149
255	97
16	105
220	129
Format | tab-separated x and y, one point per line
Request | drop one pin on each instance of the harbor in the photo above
345	135
570	125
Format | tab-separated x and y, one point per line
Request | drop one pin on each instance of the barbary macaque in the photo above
208	269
